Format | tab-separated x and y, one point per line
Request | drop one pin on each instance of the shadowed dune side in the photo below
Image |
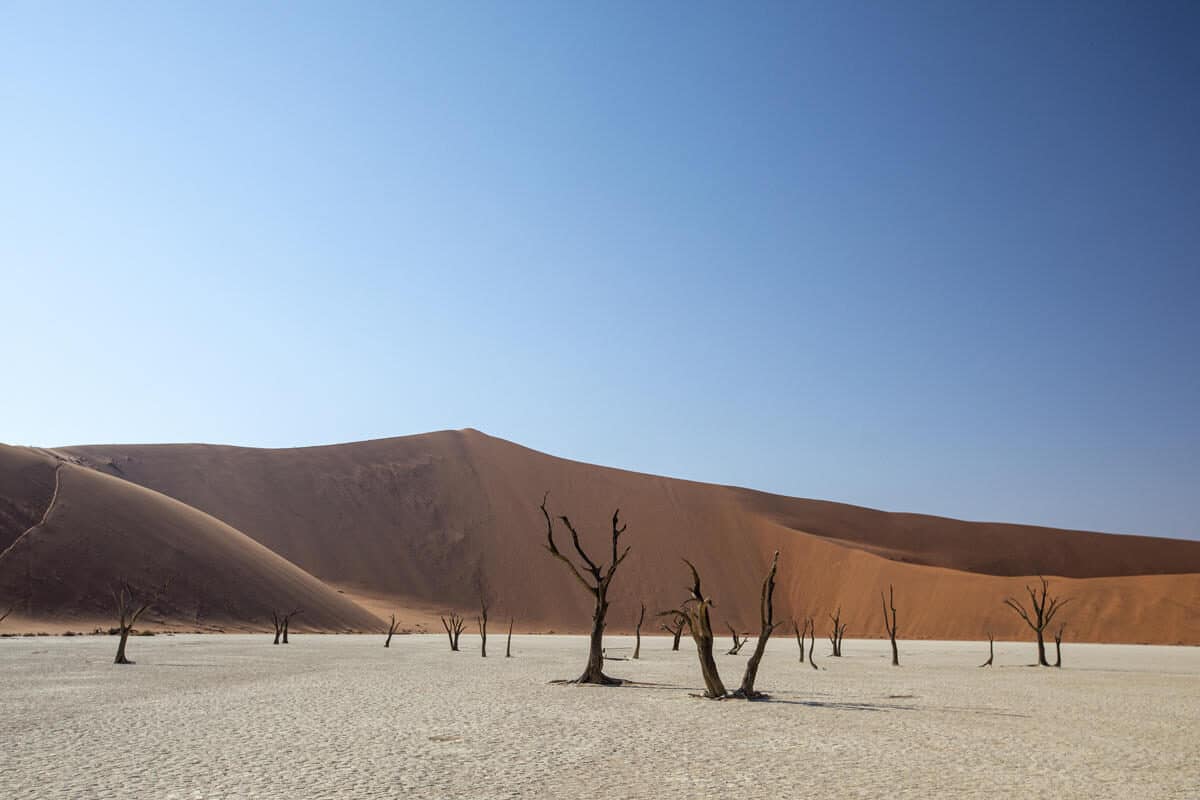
100	529
421	518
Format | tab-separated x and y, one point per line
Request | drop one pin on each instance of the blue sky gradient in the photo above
935	257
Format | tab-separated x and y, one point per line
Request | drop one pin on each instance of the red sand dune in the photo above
419	521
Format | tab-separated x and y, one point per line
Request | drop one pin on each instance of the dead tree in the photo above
1043	612
454	625
601	579
696	610
508	644
839	630
800	638
481	621
287	618
811	627
277	621
637	649
675	627
738	642
1058	645
391	630
891	625
767	618
4	616
127	614
991	651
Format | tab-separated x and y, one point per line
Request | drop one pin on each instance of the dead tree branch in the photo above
454	624
696	608
891	625
767	619
738	641
391	630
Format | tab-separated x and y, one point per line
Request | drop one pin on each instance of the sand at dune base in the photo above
225	716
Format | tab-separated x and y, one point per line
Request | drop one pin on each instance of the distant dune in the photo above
419	522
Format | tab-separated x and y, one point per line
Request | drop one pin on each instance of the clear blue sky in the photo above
925	257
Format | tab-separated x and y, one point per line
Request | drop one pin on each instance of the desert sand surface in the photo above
418	523
231	716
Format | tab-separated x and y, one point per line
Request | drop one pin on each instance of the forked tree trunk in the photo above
121	659
508	644
800	638
391	630
676	628
1044	608
637	649
1058	646
890	625
738	641
454	625
127	615
767	618
839	630
991	651
481	621
701	627
601	579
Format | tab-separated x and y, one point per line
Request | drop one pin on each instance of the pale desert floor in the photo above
339	716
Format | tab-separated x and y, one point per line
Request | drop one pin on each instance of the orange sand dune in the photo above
71	532
425	519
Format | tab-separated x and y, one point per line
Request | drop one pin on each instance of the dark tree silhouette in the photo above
696	609
811	627
128	612
891	625
637	650
1058	645
1044	608
508	644
601	579
454	625
767	618
287	618
675	627
839	630
800	637
738	641
391	630
991	651
481	621
4	616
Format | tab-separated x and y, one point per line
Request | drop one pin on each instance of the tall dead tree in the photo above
991	651
675	627
839	630
481	621
891	625
287	619
277	621
391	630
1058	645
601	579
696	608
454	625
508	644
637	649
128	612
1044	609
738	641
766	612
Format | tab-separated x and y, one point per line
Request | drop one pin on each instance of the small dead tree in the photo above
800	637
454	625
811	627
287	619
767	618
601	579
738	641
481	621
1044	609
675	627
696	609
991	651
1058	645
891	625
391	630
839	630
128	612
508	644
637	649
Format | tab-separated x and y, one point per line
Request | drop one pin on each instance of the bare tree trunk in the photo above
701	627
1058	646
278	622
121	659
127	615
811	627
454	625
1044	608
287	618
481	621
738	641
637	649
601	579
391	630
839	630
991	651
676	629
767	617
891	625
508	644
800	638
